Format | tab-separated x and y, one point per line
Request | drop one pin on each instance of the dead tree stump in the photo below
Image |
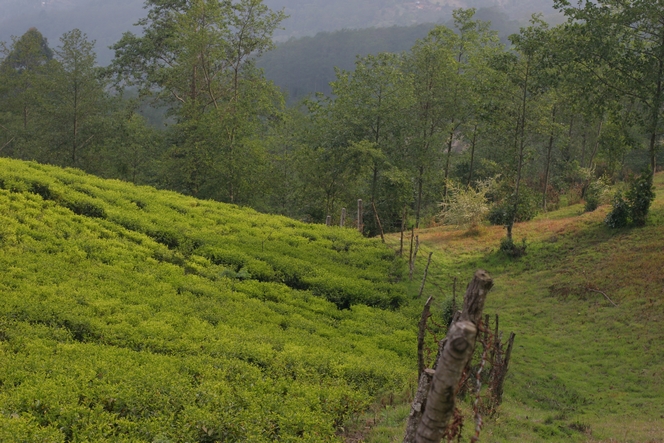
459	347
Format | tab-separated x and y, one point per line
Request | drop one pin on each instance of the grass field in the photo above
582	369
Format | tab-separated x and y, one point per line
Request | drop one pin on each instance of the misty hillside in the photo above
106	21
302	66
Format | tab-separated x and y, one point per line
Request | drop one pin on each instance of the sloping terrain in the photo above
582	369
130	314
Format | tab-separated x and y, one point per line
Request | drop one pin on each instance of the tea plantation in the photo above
131	314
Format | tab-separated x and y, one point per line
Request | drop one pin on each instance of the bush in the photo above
619	215
639	197
501	213
466	207
512	249
633	208
595	194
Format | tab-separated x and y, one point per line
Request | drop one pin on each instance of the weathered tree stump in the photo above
456	352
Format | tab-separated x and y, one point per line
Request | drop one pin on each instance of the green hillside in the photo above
582	369
130	314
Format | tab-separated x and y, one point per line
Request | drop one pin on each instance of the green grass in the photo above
582	369
130	314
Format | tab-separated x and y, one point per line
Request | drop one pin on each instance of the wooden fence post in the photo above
424	278
420	337
342	222
328	221
411	265
380	226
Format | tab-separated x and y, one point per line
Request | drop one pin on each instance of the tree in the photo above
23	71
368	114
77	100
620	44
523	70
198	57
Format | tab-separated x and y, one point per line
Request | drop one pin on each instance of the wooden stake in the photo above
380	226
412	262
328	220
420	336
424	278
342	223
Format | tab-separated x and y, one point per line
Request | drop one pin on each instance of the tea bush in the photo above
185	320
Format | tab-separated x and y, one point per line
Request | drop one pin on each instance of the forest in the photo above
531	125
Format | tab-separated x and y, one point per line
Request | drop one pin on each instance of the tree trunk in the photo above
403	227
360	225
452	361
472	156
420	179
521	146
447	164
548	161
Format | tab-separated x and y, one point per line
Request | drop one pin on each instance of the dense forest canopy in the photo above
541	118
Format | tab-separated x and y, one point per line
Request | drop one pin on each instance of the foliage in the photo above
619	215
130	314
512	249
595	194
639	197
466	206
502	211
633	208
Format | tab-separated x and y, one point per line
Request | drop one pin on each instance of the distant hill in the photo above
306	65
105	21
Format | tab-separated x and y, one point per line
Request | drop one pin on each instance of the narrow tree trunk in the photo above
521	146
342	222
452	361
548	162
447	164
420	181
360	225
596	147
472	156
403	227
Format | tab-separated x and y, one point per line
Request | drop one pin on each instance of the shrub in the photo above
619	215
501	213
512	249
466	207
635	205
639	197
595	194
